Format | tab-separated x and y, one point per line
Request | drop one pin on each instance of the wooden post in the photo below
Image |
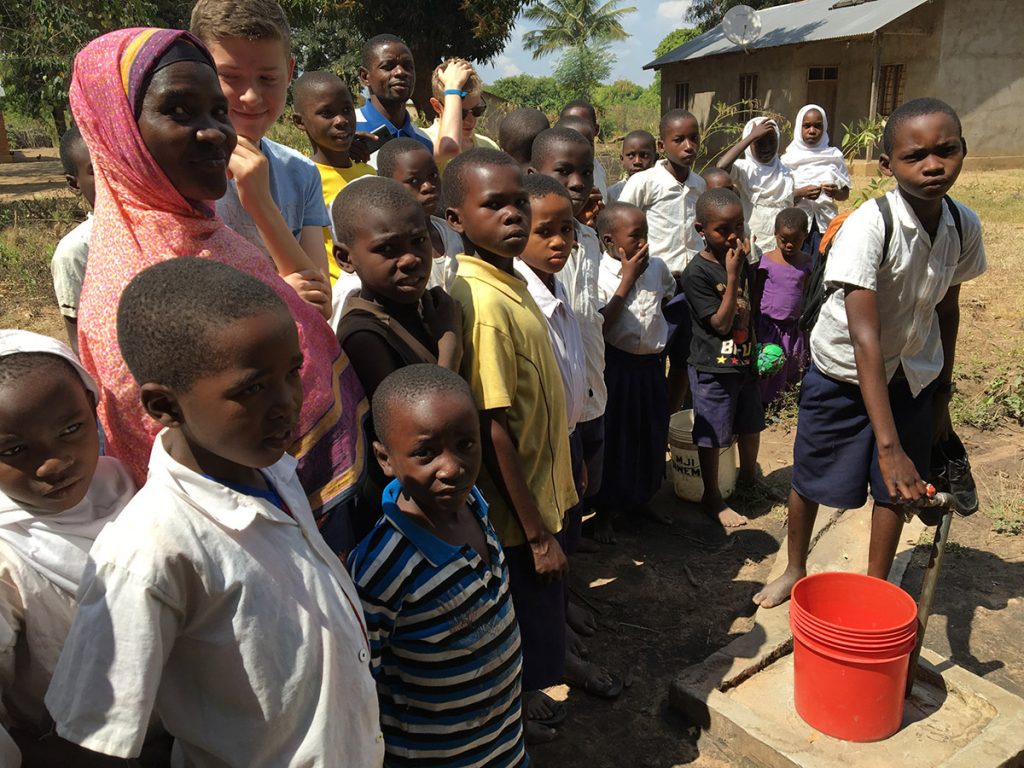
876	73
5	148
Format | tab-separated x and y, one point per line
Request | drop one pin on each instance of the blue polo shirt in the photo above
368	118
444	643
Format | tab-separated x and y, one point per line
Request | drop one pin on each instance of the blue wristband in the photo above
455	92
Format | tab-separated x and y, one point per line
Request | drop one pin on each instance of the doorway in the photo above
822	88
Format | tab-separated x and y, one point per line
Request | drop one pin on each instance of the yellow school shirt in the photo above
509	363
333	180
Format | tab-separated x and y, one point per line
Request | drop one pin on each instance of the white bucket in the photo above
686	478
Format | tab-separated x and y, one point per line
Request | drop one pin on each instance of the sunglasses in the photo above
477	111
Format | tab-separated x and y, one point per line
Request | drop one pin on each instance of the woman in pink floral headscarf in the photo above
160	155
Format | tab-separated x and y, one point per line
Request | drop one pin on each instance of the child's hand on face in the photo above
759	131
313	288
595	203
736	257
635	265
251	172
456	75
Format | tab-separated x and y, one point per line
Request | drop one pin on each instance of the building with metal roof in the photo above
861	58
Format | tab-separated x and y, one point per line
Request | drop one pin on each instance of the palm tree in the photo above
573	23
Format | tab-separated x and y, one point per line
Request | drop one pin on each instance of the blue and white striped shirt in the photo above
444	643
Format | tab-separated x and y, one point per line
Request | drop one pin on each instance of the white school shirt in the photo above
671	208
68	267
600	178
444	268
761	205
641	328
232	619
580	280
911	281
347	284
566	339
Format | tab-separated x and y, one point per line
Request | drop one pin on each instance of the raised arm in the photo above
736	150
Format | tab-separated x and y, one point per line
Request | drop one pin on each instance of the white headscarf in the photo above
819	163
57	545
769	182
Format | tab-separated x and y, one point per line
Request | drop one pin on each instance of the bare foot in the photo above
580	619
575	643
542	709
591	678
778	591
536	733
603	531
727	516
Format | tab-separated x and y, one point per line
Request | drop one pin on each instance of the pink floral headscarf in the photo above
141	219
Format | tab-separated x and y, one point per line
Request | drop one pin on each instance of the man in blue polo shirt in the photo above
389	73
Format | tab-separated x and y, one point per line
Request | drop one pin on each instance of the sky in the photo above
652	21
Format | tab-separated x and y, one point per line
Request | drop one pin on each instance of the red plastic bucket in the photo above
852	640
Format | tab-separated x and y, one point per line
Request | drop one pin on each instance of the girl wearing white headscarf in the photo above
819	171
764	184
52	507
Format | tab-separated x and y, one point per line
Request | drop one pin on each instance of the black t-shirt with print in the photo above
704	284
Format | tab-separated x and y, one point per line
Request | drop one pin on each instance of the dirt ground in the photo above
667	597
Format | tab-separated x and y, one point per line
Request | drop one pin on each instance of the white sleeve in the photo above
973	262
856	253
668	283
105	684
633	191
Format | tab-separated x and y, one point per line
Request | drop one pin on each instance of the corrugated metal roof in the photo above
801	22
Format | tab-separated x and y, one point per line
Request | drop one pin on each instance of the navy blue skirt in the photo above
636	429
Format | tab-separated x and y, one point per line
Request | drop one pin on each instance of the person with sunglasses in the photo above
458	100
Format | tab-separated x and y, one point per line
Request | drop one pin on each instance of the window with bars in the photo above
822	73
890	88
748	96
682	96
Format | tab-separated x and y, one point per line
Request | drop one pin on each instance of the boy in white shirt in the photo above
72	252
877	393
214	601
668	194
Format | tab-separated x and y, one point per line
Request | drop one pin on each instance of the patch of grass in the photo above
284	131
784	410
1008	516
29	232
1000	399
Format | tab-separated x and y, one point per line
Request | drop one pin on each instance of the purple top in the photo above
783	288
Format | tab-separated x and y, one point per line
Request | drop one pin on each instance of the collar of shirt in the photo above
375	118
611	265
670	178
549	302
435	550
908	221
473	267
227	507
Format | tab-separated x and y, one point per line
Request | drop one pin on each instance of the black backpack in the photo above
815	293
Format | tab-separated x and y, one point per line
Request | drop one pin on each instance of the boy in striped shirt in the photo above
434	585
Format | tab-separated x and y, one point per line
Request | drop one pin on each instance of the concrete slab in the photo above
953	719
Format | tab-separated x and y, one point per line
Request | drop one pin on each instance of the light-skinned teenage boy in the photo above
324	110
517	131
514	377
56	495
72	252
388	73
668	194
723	382
567	156
639	152
274	198
447	660
213	600
877	393
412	165
457	97
393	320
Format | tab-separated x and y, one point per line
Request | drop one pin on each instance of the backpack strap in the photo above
954	211
885	208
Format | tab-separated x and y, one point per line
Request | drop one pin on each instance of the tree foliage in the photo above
707	13
568	24
581	69
39	40
543	93
435	30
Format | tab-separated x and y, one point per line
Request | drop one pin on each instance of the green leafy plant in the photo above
725	128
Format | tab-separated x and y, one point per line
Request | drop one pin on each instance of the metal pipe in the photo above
928	585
